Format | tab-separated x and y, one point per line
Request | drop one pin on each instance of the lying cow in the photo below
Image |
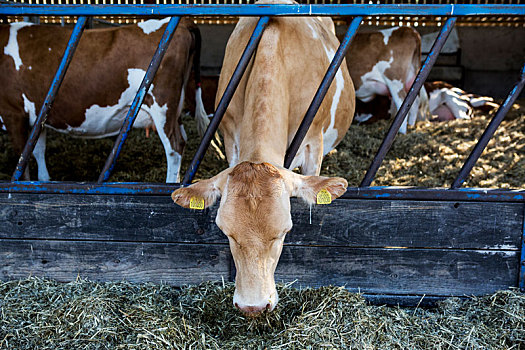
385	63
447	102
264	114
100	85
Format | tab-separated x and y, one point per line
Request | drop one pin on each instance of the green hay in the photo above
43	314
429	155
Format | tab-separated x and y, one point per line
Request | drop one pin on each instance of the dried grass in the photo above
430	155
43	314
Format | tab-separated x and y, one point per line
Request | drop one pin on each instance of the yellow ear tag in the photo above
197	203
324	197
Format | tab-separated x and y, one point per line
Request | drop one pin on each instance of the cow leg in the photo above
17	125
397	91
173	158
40	155
458	106
413	112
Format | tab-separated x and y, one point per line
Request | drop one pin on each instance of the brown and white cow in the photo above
385	63
266	110
99	87
447	102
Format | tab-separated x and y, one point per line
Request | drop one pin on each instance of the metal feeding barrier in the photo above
514	199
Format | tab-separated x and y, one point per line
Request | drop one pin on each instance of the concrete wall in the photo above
492	56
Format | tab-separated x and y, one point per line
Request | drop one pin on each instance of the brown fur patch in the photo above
254	180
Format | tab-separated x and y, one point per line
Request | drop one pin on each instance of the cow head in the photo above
254	214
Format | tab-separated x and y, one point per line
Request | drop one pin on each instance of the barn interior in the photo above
117	306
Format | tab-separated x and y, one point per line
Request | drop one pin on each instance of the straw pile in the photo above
42	314
430	155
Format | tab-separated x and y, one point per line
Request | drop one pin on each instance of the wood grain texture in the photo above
177	264
373	270
400	271
352	223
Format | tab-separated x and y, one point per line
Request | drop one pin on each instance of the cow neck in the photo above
264	139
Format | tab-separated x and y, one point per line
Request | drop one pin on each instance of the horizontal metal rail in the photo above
262	10
161	189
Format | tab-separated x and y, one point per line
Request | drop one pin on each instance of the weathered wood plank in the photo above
353	223
401	271
373	270
177	264
397	223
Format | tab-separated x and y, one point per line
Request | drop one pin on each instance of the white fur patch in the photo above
368	90
29	107
314	32
39	152
12	49
3	124
330	134
387	33
106	121
152	25
459	108
363	117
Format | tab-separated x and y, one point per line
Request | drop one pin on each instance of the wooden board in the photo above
177	264
352	223
374	246
371	270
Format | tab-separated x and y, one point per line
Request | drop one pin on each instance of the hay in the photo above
43	314
430	155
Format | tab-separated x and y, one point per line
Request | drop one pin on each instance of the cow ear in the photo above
318	189
202	194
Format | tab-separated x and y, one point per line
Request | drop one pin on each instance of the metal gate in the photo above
494	201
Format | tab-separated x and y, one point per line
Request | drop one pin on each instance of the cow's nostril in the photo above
268	307
236	305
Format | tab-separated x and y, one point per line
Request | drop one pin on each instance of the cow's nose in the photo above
252	310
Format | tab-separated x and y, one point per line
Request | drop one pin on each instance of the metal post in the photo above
409	100
321	92
226	98
139	98
489	131
50	97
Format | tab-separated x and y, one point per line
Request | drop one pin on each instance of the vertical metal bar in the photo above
139	98
321	92
226	98
50	98
409	100
489	131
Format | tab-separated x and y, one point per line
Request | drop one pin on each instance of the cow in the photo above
258	126
385	63
100	84
447	102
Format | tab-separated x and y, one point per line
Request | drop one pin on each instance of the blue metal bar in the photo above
409	100
226	98
321	92
139	99
373	193
263	10
50	97
489	131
